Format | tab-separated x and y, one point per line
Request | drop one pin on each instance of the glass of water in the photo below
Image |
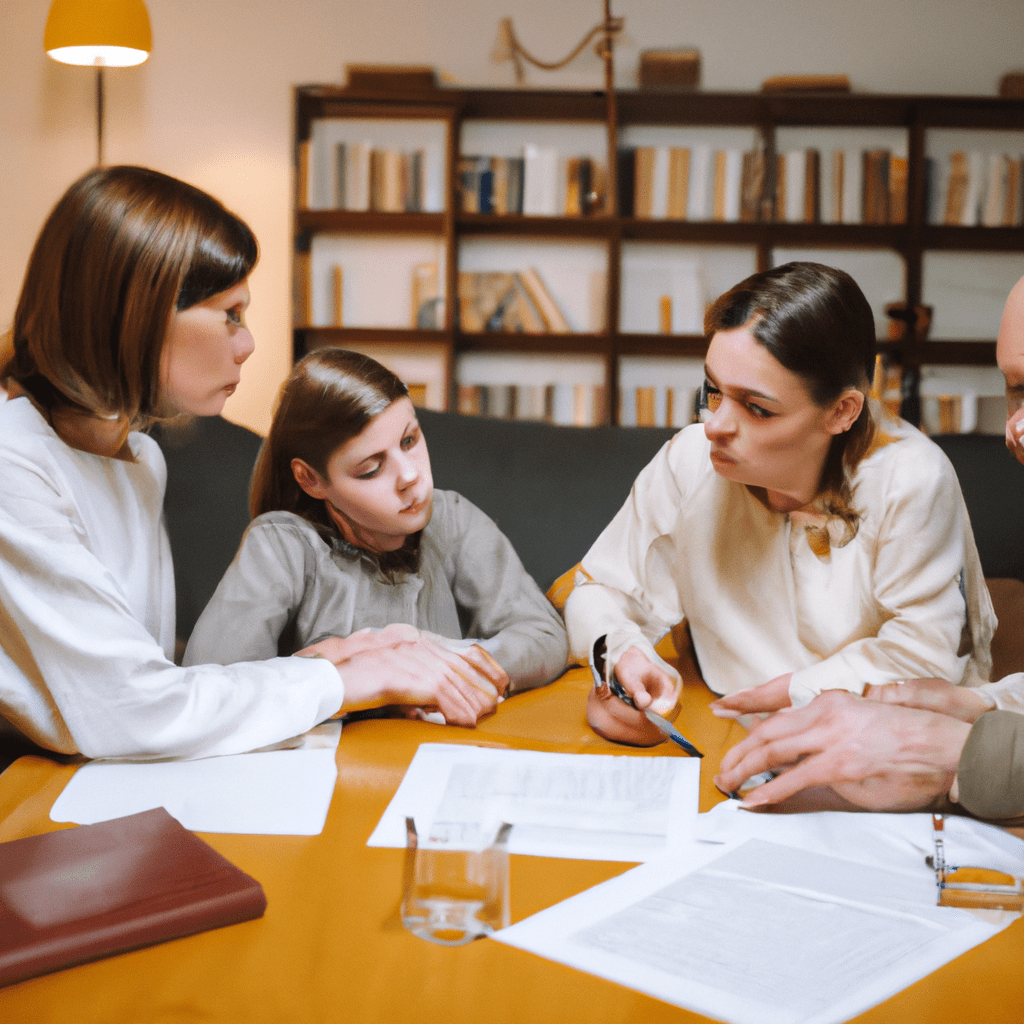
454	896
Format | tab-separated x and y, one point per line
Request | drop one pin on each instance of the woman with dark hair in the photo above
349	534
804	542
132	309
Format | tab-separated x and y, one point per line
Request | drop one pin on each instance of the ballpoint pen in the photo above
597	667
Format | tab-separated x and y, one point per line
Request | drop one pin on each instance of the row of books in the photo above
731	185
658	406
516	302
982	189
362	178
528	184
579	405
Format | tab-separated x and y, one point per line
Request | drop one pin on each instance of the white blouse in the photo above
905	598
87	614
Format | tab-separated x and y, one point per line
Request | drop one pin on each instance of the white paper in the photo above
583	806
756	933
270	792
896	841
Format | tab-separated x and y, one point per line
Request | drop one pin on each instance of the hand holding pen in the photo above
621	705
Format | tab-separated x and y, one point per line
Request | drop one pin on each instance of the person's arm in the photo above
82	673
990	775
506	614
625	592
257	597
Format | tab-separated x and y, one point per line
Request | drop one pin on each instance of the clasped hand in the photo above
402	665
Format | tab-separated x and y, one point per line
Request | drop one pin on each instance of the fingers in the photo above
611	718
485	663
338	649
649	685
768	697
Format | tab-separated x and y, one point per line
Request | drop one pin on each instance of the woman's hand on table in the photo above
764	699
397	665
649	685
877	756
937	695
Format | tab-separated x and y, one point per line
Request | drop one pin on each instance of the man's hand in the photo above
764	699
649	685
937	695
880	757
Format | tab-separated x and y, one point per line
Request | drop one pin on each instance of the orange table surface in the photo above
331	946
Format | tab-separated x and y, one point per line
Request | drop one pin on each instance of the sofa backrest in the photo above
993	486
206	507
551	490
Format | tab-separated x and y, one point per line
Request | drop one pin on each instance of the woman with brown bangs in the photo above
808	543
133	309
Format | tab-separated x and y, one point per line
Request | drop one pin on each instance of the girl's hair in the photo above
816	322
329	397
121	251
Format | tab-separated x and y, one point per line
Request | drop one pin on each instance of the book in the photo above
678	183
701	168
338	295
876	186
357	176
728	170
853	187
994	206
751	185
956	188
553	317
643	182
302	291
82	894
427	312
1012	209
897	189
838	182
540	181
812	187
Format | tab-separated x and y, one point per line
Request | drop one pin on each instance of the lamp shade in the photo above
107	33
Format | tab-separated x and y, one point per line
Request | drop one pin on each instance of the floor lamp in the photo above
101	34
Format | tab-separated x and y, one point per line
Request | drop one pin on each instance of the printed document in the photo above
757	933
584	806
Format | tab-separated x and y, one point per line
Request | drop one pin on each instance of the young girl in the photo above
349	534
133	308
803	543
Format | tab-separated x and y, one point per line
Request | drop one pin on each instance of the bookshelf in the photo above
409	243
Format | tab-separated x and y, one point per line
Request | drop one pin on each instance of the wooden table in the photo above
331	946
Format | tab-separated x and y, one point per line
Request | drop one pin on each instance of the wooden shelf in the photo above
765	114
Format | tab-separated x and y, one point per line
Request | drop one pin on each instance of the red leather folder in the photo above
89	892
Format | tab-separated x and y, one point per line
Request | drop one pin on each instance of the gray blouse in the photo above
287	587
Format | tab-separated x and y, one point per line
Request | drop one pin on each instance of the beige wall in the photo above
213	104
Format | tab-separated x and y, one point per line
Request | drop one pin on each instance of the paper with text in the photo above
585	806
756	933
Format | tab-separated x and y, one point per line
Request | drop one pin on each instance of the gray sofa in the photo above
551	490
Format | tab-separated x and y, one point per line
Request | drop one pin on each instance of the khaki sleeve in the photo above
991	772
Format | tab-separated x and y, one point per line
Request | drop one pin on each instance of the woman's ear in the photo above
308	479
845	411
